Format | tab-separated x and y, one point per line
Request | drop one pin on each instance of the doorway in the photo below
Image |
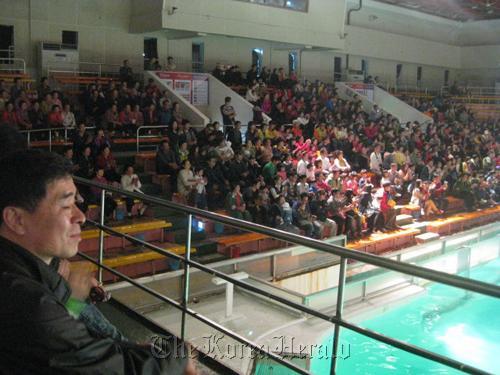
337	69
293	62
6	43
150	51
446	77
198	57
257	58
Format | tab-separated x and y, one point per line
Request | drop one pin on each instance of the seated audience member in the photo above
41	296
106	161
387	205
109	203
430	207
68	117
236	205
438	191
371	214
302	215
319	210
9	116
354	221
100	142
130	182
23	118
55	118
166	160
112	118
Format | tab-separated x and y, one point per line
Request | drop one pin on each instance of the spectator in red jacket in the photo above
55	118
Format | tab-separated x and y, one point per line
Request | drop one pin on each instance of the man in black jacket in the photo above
41	332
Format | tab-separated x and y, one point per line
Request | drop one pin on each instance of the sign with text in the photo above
192	86
363	89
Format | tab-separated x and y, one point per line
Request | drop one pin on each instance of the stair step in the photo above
421	226
404	219
427	237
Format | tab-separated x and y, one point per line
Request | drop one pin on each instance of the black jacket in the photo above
39	336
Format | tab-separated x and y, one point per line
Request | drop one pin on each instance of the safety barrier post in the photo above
187	256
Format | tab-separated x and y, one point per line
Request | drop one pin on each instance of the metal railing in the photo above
50	130
146	136
18	64
344	254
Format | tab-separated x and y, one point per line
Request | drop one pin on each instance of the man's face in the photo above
53	229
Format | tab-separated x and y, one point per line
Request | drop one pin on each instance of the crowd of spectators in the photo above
322	165
324	162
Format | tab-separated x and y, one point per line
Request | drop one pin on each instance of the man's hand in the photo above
64	269
81	281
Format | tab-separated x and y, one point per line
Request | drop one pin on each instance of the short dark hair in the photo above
26	175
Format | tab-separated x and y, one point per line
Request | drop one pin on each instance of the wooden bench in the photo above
145	229
134	265
380	242
231	245
463	221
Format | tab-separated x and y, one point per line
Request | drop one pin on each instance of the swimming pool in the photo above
464	326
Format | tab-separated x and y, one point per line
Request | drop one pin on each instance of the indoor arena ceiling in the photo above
459	10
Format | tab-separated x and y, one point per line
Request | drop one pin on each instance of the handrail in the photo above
147	136
50	130
13	59
460	282
409	269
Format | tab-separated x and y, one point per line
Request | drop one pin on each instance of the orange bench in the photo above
231	245
378	243
463	221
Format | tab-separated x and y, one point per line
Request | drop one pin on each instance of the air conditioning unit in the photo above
58	57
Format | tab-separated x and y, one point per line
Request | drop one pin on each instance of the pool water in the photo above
445	320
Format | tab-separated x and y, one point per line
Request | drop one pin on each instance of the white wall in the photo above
102	26
375	15
112	30
480	64
321	26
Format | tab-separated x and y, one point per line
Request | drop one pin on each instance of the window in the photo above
70	39
419	73
298	5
